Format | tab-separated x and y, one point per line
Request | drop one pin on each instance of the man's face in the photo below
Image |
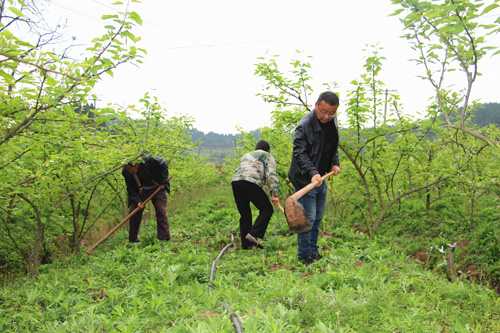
132	168
325	112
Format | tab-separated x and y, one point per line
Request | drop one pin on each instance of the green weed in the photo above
362	284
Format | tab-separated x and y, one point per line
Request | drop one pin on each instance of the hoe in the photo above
294	211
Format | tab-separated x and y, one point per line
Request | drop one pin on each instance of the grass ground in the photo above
361	284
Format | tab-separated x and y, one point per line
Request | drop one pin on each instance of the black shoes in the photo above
312	258
307	261
316	256
254	241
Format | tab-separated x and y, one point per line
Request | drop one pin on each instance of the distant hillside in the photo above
489	113
217	147
216	140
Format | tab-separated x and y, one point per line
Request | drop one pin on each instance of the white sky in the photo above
201	53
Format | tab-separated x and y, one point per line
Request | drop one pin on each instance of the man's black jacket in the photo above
307	147
156	169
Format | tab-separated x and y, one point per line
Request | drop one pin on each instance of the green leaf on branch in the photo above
397	12
7	77
23	43
51	81
459	27
105	17
85	64
489	8
129	35
68	109
16	11
54	57
136	17
7	34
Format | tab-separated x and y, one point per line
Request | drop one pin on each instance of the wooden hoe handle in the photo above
281	208
303	191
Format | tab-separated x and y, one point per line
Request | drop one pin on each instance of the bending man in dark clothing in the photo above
315	153
142	179
248	182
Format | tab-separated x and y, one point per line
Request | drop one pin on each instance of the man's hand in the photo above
274	199
317	178
141	204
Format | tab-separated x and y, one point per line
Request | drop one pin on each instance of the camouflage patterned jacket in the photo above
258	167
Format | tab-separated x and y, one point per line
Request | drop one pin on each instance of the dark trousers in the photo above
245	192
160	203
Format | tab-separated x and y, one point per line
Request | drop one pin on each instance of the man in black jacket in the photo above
142	179
315	153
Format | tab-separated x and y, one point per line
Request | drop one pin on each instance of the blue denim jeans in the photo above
314	204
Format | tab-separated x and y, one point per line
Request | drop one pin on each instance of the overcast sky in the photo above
201	54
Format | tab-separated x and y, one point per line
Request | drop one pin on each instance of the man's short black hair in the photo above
263	145
329	97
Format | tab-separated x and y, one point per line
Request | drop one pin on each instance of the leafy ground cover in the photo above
361	285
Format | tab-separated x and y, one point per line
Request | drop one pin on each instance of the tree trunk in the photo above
76	226
37	250
34	256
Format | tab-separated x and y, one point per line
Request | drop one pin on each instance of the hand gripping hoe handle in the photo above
306	189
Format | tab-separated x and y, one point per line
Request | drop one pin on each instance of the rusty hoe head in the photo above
296	216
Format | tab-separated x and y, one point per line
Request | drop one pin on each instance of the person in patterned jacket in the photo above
255	169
